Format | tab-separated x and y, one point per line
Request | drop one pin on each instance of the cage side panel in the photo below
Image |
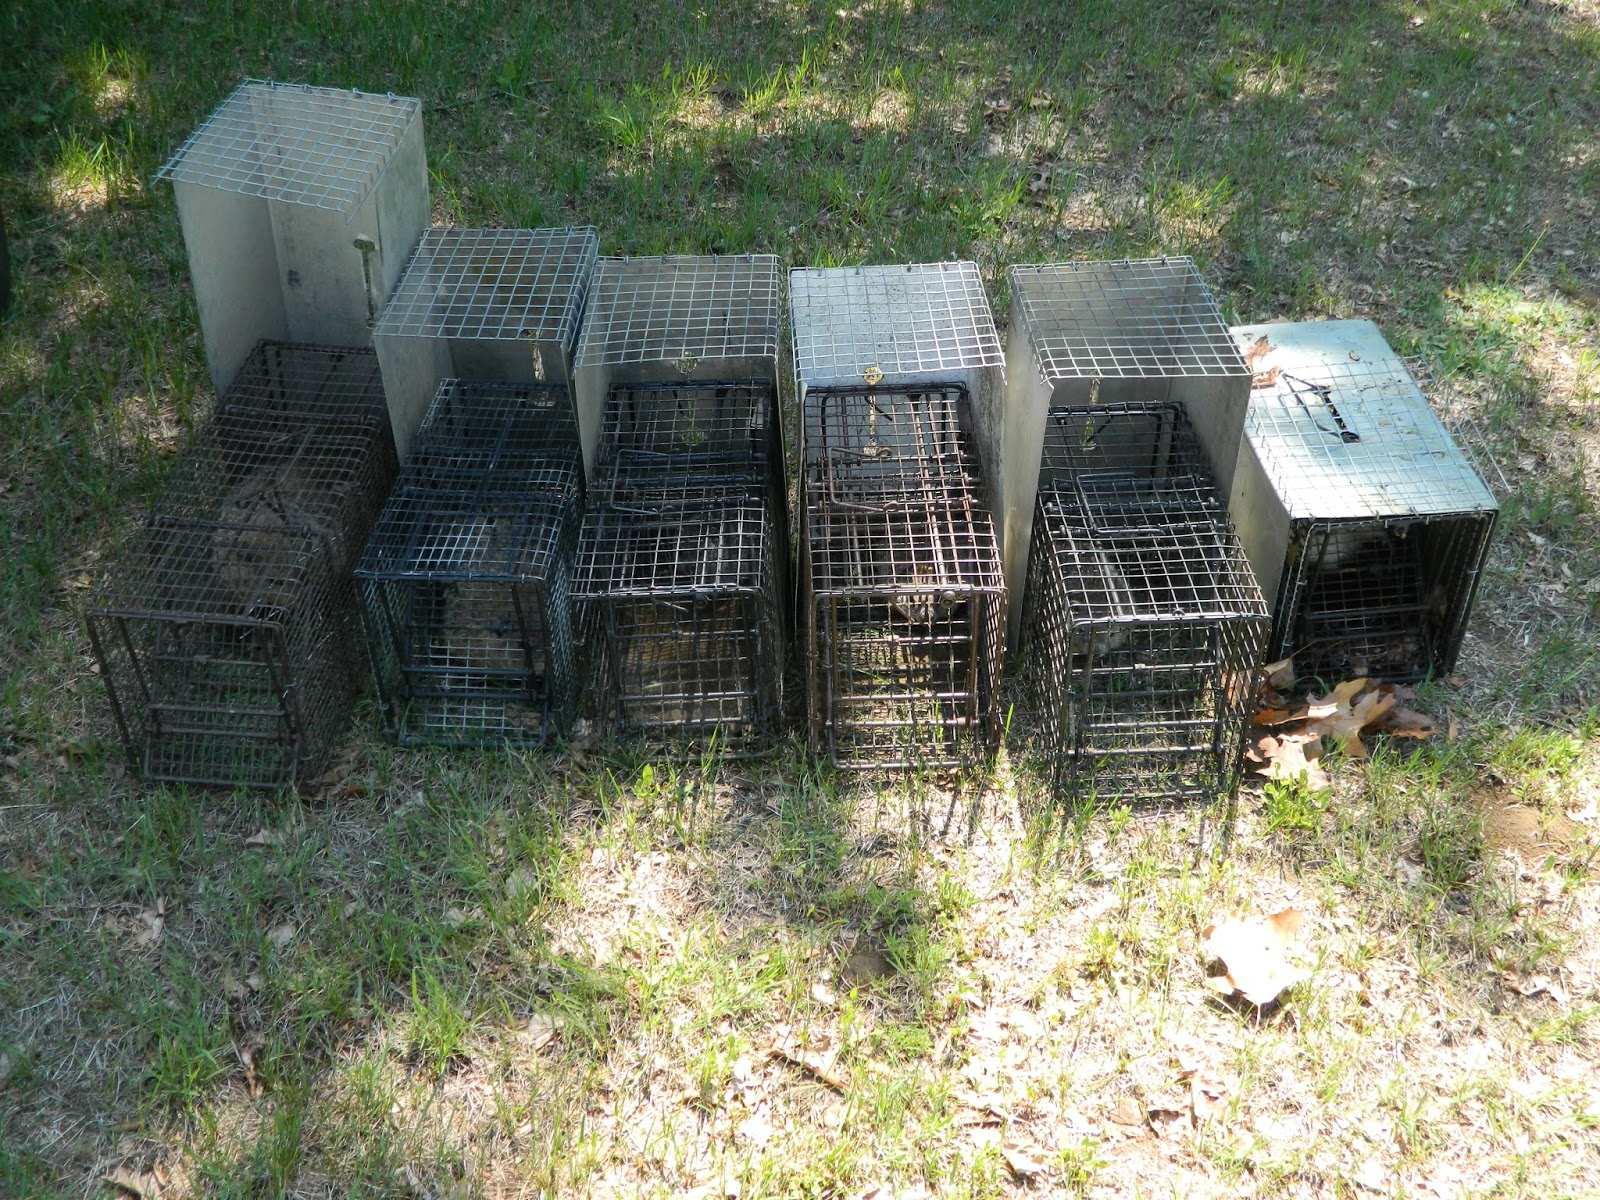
413	368
1263	526
233	265
1216	407
112	639
591	386
689	665
400	211
330	289
989	417
1027	402
498	361
1477	535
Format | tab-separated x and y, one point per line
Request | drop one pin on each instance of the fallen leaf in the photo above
1020	1165
1535	985
265	837
1371	1176
8	1067
1405	722
1292	756
820	1066
281	935
1253	354
1265	379
541	1030
151	923
1128	1111
1207	1099
1253	949
823	995
1451	729
248	1048
756	1129
1280	716
143	1184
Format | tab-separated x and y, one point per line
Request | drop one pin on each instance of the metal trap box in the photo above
499	305
880	446
299	207
677	319
685	592
226	631
1362	517
663	436
905	612
466	580
1134	332
1142	639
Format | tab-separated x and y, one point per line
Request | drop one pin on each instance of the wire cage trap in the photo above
1361	515
497	305
466	581
226	631
666	435
684	587
299	207
1124	332
1142	638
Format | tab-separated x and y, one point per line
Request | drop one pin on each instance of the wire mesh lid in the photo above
297	144
855	324
681	309
696	546
494	285
1129	318
1341	436
1191	568
943	549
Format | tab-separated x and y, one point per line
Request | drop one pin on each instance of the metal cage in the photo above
1135	332
497	305
684	584
299	207
466	580
1361	515
226	631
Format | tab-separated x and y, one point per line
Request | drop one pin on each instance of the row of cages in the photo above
518	482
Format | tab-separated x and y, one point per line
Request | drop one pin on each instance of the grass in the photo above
454	975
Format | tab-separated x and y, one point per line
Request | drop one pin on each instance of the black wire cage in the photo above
466	581
1363	518
226	630
903	600
1144	625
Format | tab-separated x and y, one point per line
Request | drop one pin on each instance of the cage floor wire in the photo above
687	602
1142	639
905	608
466	580
226	630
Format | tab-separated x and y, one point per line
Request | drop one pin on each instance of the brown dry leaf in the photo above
1337	700
1292	756
820	1066
1280	674
1353	711
1128	1111
1268	717
1405	722
144	1184
264	837
1534	985
1265	379
1254	951
281	935
249	1048
1256	351
152	921
1207	1098
1021	1165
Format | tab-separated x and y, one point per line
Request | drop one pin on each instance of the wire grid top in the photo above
1187	570
855	323
494	285
510	529
321	147
475	425
942	549
681	309
1129	318
1358	440
700	547
700	427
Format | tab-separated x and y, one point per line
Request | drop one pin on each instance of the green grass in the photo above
481	975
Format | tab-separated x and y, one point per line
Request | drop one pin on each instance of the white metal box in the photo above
1140	331
489	305
299	207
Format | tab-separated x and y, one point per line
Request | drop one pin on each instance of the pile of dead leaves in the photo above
1289	733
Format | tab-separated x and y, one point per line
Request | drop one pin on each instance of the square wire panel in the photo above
681	309
473	428
1128	318
494	285
1127	454
880	447
666	434
295	144
1358	439
701	539
1141	648
853	324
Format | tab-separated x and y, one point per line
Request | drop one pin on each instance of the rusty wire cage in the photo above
496	305
226	631
1363	518
466	580
1144	624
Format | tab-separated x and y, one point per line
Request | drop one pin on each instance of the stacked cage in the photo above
226	630
1361	515
681	559
901	587
466	581
1141	621
466	584
1144	624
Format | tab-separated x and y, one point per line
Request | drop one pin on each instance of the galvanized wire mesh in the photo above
663	435
681	309
226	630
1127	455
494	285
854	324
903	595
466	579
1151	318
295	144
